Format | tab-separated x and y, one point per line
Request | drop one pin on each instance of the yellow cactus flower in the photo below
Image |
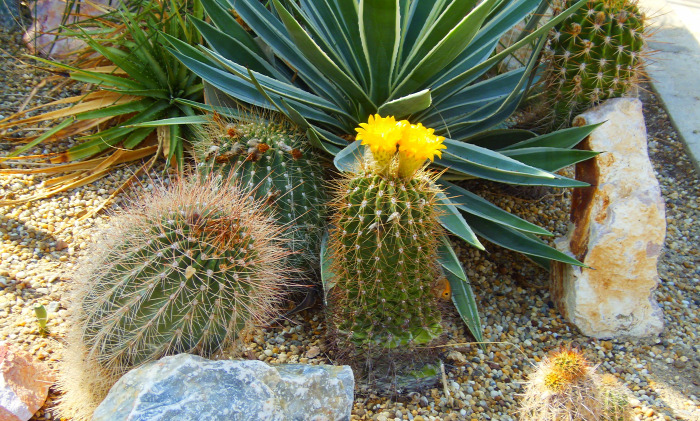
417	144
382	135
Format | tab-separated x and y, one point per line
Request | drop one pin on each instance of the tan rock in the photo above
617	228
24	384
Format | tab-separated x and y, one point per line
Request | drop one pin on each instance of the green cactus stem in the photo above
278	165
594	54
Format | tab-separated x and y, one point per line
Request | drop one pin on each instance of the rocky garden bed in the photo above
43	241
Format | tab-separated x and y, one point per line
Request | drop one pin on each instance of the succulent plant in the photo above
565	387
384	246
330	64
594	54
187	269
276	163
616	405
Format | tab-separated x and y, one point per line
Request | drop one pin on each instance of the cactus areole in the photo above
384	241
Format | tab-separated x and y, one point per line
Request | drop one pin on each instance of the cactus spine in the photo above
188	269
277	163
565	387
593	55
384	242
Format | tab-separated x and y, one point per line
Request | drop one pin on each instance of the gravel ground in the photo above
42	241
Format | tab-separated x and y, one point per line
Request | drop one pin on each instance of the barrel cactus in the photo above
566	387
594	54
275	161
188	269
384	242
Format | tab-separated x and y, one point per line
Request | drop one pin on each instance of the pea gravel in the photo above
42	241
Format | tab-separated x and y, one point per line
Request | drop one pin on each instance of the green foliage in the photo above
185	270
134	80
274	161
328	65
594	54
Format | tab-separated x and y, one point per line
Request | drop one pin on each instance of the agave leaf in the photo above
549	159
500	139
316	55
379	23
334	30
222	18
453	221
267	27
230	48
514	240
347	160
490	165
443	52
462	294
407	105
566	138
473	204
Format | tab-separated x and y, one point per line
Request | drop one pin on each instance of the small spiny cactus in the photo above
383	243
277	163
594	54
565	387
187	269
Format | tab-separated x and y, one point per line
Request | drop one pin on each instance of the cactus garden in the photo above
343	186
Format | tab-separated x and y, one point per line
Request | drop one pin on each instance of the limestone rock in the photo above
48	17
187	387
24	384
617	228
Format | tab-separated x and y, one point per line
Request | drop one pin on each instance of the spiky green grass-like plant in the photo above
187	269
271	158
383	246
594	54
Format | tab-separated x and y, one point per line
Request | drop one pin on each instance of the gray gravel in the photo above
42	241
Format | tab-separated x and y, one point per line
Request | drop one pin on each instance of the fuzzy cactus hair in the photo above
188	268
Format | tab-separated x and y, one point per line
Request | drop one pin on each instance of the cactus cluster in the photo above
189	269
565	387
383	244
276	163
592	55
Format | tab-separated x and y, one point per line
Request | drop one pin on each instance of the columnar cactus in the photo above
565	387
593	55
188	269
384	242
278	165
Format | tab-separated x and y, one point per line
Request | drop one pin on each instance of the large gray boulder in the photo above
187	387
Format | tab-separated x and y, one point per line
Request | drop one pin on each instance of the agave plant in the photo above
329	64
134	79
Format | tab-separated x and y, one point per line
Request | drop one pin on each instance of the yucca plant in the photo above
329	64
134	80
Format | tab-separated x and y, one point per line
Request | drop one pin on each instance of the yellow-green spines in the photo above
384	247
564	387
277	163
593	55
